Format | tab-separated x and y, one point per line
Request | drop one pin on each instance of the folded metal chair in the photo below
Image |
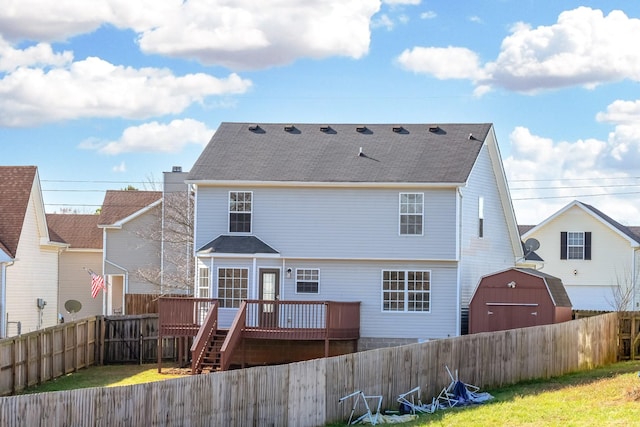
368	415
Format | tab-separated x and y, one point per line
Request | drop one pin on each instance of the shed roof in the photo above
554	284
16	183
371	153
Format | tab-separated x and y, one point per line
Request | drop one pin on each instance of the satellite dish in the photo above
72	306
531	245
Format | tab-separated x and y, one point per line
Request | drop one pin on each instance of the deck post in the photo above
159	353
326	328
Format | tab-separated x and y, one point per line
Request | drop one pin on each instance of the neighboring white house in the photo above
404	218
83	254
597	258
28	256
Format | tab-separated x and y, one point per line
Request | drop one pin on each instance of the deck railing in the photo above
179	316
233	337
302	320
202	340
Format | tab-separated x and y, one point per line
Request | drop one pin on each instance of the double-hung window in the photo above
203	282
307	280
233	285
406	291
575	245
411	213
240	208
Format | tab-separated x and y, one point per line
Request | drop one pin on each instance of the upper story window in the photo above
411	213
406	291
240	206
481	217
575	245
307	280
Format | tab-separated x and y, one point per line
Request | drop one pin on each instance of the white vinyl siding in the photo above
33	275
335	222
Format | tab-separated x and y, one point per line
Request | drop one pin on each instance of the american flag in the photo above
97	283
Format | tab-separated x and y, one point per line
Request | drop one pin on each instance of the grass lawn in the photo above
107	376
608	396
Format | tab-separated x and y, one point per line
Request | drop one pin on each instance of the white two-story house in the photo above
404	219
597	258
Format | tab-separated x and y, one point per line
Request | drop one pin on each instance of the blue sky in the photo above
101	94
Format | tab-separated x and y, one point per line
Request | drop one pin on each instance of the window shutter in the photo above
587	245
563	245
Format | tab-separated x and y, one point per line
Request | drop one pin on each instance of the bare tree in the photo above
172	232
622	293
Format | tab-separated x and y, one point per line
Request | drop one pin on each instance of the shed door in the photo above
503	317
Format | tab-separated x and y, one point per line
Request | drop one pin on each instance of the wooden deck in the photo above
256	319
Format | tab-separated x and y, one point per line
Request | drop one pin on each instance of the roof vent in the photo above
361	154
397	129
325	128
289	128
434	128
177	169
254	127
471	137
361	129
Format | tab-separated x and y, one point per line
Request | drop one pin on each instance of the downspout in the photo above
459	257
3	298
162	240
634	279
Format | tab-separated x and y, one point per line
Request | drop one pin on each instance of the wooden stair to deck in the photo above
211	359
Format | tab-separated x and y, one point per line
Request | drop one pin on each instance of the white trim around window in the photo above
307	281
406	291
240	215
411	214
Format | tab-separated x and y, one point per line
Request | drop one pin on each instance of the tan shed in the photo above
518	298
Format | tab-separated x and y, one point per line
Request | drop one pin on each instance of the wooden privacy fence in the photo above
308	393
133	339
34	358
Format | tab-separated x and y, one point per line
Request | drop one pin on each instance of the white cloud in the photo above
120	168
583	48
40	55
242	34
430	14
383	21
96	88
402	2
621	112
545	175
442	63
155	137
475	19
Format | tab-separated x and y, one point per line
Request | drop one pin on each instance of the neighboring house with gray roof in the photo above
403	218
83	254
597	258
147	242
124	219
28	254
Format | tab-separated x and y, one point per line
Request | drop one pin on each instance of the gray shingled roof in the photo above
119	204
556	288
80	231
623	229
308	154
15	189
238	245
